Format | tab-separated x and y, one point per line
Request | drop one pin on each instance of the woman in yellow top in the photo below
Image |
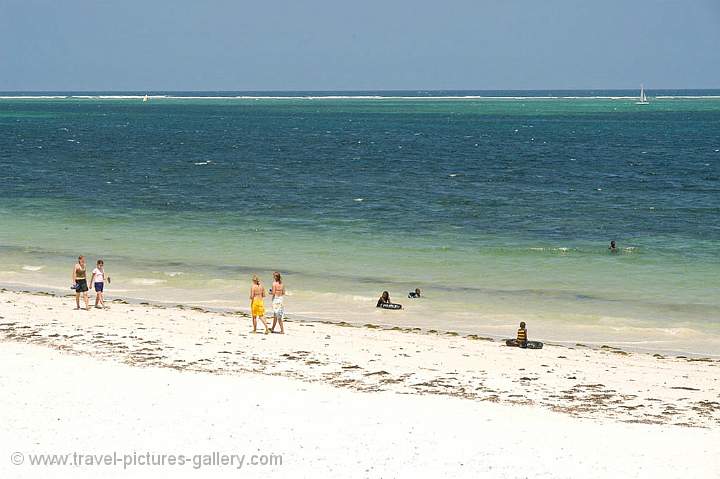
257	303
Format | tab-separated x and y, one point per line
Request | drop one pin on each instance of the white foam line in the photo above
33	97
687	97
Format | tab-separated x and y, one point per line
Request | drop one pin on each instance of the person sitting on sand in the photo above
613	248
414	294
257	304
384	299
278	295
79	280
522	335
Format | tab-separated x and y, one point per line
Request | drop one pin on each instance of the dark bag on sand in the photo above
528	344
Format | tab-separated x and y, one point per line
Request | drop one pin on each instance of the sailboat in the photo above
643	98
145	98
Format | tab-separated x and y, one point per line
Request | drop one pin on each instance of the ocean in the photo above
499	205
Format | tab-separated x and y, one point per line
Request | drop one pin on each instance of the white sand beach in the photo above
340	400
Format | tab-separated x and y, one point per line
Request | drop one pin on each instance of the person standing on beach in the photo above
79	279
98	283
257	303
278	295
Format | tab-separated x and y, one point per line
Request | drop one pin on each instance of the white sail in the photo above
643	98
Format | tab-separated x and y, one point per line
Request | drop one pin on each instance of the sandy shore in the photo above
366	400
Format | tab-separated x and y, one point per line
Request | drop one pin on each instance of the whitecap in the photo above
147	281
198	163
32	268
359	200
362	298
172	274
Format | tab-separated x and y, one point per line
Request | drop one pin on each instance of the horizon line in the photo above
357	90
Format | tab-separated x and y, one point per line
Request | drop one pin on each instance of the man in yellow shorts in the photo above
257	304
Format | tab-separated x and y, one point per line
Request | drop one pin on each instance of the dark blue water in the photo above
534	171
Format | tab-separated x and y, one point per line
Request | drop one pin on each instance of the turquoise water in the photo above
500	209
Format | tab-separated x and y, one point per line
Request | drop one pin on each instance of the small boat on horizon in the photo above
643	98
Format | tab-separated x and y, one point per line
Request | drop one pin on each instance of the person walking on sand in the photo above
79	279
278	295
98	283
257	304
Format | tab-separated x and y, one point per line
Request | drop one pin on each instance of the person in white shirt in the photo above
97	281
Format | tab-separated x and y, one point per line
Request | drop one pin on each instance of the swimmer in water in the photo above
414	294
613	248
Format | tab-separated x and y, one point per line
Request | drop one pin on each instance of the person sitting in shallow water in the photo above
414	294
613	248
384	299
385	303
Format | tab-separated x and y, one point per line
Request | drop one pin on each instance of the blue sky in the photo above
364	45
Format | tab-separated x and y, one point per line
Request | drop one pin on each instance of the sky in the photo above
165	45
